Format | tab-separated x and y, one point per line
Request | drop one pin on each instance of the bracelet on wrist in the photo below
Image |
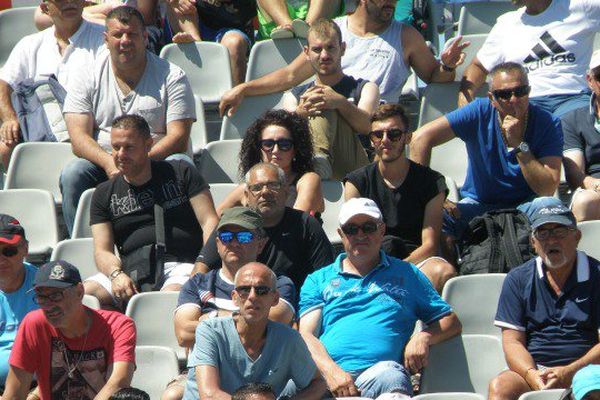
114	274
447	68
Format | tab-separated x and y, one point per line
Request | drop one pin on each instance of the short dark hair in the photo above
130	394
124	14
390	110
324	28
508	67
133	121
243	392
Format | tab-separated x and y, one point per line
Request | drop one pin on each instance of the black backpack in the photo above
496	241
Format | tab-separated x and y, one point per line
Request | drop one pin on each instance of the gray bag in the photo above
39	108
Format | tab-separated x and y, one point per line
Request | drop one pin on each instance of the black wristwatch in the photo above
446	67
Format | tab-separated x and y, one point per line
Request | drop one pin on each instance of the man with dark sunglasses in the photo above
232	351
16	280
582	150
549	310
383	297
338	106
514	150
409	195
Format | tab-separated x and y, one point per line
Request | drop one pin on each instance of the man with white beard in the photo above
549	310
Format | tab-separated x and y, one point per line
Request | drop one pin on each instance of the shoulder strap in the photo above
159	229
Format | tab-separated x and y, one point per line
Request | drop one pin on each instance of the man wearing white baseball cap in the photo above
581	150
383	295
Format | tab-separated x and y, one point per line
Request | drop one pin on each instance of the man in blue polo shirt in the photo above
549	310
382	295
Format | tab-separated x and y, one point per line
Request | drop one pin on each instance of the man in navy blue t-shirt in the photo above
549	310
514	150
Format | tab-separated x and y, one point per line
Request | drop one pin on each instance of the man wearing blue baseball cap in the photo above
74	351
586	383
549	310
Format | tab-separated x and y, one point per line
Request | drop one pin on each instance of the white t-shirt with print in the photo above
162	95
555	46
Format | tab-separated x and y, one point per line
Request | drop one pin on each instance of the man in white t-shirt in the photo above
553	40
38	56
126	79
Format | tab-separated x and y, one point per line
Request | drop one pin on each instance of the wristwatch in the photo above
447	68
523	147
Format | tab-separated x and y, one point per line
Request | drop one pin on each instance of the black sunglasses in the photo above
10	251
244	291
283	144
367	228
392	134
506	94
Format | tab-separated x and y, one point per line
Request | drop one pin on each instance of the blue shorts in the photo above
560	104
216	35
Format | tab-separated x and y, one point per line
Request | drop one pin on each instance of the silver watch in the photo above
523	147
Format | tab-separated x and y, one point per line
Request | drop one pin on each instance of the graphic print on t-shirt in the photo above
546	53
87	367
135	201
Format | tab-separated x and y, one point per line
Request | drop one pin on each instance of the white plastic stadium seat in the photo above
220	191
250	109
15	23
79	252
81	226
480	17
90	301
198	134
333	194
464	363
590	237
219	161
453	194
156	366
206	65
35	210
153	316
470	52
37	165
267	56
474	299
552	394
449	396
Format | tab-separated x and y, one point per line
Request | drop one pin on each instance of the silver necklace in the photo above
72	368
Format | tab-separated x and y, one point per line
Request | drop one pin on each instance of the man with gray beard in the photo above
549	310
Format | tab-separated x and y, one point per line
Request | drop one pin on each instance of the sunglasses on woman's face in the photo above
282	144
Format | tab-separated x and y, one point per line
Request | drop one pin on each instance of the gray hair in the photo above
510	66
280	174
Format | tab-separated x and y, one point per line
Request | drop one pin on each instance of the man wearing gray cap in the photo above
382	295
581	150
549	310
16	278
74	351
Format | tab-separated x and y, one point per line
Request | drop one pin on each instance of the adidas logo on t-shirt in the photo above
547	53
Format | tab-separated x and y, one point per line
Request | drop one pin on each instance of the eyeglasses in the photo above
258	187
242	237
283	144
367	228
53	297
244	291
392	134
506	94
559	232
10	251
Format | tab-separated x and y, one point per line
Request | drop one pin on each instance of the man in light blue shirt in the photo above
16	278
357	314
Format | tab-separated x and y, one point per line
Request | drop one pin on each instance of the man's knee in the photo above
439	271
235	43
105	298
74	172
586	205
507	385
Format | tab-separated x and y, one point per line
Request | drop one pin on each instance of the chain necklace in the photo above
502	130
72	368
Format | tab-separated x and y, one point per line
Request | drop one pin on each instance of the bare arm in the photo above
9	130
199	268
338	381
18	383
175	141
315	389
282	312
359	117
417	348
350	191
519	359
204	209
277	10
120	377
186	320
310	194
543	175
80	127
427	137
209	384
472	79
283	79
574	163
430	233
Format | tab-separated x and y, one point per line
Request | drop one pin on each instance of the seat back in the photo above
267	56
15	23
549	394
37	165
219	161
35	210
156	366
477	42
333	194
453	194
149	311
234	127
206	65
198	134
474	299
480	17
90	301
590	235
220	191
79	252
449	396
473	359
81	227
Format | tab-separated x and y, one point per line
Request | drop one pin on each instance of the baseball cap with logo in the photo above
243	217
557	214
57	274
359	206
11	231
